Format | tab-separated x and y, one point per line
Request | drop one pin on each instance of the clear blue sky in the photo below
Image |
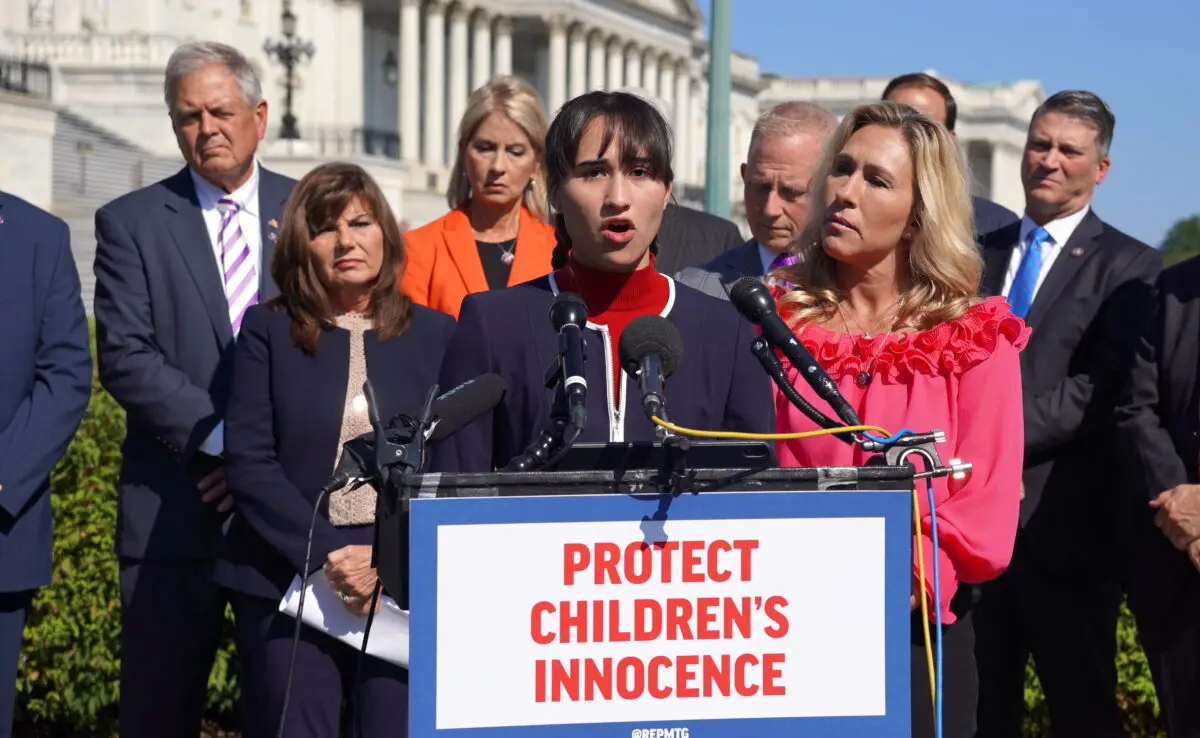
1142	56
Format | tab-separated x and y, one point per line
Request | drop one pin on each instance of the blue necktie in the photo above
1020	296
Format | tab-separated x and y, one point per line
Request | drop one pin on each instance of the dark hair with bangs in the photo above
317	201
641	131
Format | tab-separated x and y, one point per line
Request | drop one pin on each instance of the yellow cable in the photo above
767	436
921	594
829	432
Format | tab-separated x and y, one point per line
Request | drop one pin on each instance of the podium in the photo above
764	602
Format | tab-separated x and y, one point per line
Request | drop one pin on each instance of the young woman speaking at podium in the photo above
609	177
888	275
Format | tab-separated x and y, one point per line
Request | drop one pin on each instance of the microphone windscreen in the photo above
650	334
567	308
466	402
751	298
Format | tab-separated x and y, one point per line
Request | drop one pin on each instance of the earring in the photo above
907	236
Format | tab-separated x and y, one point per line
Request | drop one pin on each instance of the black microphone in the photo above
753	300
650	350
569	315
461	405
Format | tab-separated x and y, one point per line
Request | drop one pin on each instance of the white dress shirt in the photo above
246	197
1060	231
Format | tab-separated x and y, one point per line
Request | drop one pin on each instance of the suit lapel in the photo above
273	193
463	251
997	252
1079	248
190	234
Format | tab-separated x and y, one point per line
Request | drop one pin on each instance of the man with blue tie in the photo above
784	147
1082	286
47	370
177	265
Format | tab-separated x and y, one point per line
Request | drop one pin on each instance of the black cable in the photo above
287	692
761	349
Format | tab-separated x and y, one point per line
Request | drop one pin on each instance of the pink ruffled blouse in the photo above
962	377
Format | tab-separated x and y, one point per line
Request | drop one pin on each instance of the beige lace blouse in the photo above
357	506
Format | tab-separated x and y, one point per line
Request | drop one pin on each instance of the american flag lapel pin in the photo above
1077	251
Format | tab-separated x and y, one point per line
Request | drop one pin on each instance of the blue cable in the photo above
937	609
890	439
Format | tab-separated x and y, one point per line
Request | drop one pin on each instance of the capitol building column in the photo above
578	83
503	61
481	49
557	93
410	81
597	42
459	92
616	64
633	66
650	73
434	152
683	121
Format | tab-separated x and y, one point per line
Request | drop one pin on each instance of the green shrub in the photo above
70	665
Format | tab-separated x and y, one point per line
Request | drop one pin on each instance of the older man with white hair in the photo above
784	148
687	237
177	265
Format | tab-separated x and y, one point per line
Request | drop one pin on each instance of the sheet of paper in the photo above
325	611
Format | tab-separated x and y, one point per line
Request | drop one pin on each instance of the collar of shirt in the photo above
245	196
766	256
1060	230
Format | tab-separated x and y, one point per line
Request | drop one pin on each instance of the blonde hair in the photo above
520	103
943	261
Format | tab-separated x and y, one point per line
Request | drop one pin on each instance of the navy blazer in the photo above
46	368
990	216
717	276
718	385
282	430
164	345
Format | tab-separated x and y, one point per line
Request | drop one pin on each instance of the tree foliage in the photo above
1182	241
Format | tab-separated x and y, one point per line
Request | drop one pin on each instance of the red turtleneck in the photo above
615	299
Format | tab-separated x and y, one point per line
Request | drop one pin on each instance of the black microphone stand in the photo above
761	348
553	442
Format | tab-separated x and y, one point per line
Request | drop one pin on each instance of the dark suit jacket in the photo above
1158	424
281	435
163	341
1085	320
688	237
47	377
715	277
718	385
990	216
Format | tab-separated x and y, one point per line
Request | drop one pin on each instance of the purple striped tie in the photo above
241	280
782	260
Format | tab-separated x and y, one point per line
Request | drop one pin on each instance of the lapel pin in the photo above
1	220
1077	251
272	223
272	236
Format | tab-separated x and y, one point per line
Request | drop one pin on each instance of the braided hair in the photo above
635	123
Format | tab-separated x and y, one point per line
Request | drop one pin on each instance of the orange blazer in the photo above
443	261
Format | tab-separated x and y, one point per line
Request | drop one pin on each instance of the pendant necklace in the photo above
863	377
506	254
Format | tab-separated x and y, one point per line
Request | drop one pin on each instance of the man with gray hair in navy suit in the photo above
784	148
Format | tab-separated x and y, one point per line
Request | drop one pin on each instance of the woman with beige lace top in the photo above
295	397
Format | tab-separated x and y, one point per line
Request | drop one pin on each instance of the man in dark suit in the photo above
931	97
177	265
784	148
1159	432
47	370
1080	284
687	236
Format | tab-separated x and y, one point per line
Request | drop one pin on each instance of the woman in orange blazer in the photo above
495	234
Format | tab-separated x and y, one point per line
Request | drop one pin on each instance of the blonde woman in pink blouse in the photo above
889	274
